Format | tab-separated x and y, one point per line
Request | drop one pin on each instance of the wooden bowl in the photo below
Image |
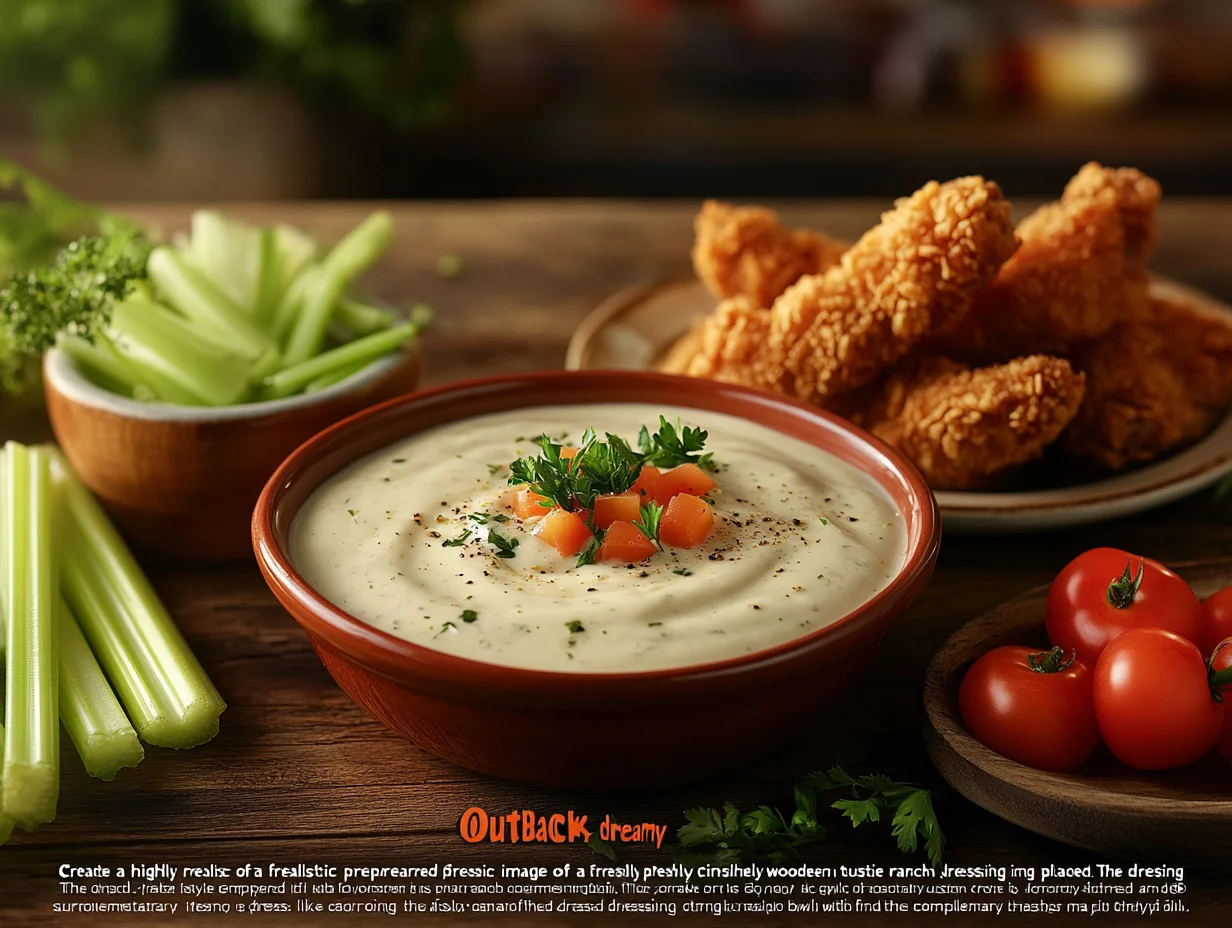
1171	815
596	730
182	480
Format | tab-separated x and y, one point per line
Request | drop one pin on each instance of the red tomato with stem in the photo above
1105	592
1033	707
1221	684
1153	700
1217	612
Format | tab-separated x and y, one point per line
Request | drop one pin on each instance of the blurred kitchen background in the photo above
257	99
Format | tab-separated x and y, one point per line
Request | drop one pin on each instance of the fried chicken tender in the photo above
743	251
910	275
1153	384
1080	270
966	428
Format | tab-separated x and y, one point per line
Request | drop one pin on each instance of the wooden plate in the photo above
1167	816
637	328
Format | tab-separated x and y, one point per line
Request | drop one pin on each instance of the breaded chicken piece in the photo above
743	251
966	428
910	275
1153	384
1080	270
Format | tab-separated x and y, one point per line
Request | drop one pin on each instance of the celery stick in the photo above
330	378
228	253
193	294
292	379
164	689
285	252
358	251
101	363
31	712
363	318
104	738
173	359
6	823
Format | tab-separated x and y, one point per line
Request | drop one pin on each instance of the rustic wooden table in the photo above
299	774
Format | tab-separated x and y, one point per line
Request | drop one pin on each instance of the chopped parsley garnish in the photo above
683	572
575	626
494	469
469	615
483	518
824	521
587	555
445	626
457	542
673	445
399	460
505	547
648	522
598	468
352	512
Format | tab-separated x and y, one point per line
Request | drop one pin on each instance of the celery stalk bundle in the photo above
231	314
81	626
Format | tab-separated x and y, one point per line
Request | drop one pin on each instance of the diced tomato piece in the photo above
686	521
618	507
526	504
625	544
687	478
647	482
564	530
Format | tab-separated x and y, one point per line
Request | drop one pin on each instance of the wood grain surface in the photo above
299	774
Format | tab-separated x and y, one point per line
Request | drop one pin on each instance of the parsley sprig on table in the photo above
765	835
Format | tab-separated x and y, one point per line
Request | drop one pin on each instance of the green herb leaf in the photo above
575	626
673	445
764	835
505	547
603	848
445	626
587	555
683	572
598	468
469	615
483	518
457	542
648	522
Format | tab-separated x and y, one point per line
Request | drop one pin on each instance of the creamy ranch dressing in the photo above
800	540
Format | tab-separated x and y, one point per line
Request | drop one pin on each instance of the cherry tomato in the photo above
1217	613
1153	701
1221	661
1105	592
1032	707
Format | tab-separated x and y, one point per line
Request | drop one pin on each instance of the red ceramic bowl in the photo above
594	729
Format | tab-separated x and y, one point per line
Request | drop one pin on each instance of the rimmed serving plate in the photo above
636	328
1168	815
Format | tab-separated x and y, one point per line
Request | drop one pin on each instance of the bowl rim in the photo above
63	374
422	666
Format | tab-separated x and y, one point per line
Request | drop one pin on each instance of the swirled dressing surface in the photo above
400	539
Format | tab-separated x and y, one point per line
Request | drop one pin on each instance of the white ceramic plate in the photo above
633	330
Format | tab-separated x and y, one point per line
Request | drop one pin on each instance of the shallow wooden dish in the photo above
637	329
182	480
1163	816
